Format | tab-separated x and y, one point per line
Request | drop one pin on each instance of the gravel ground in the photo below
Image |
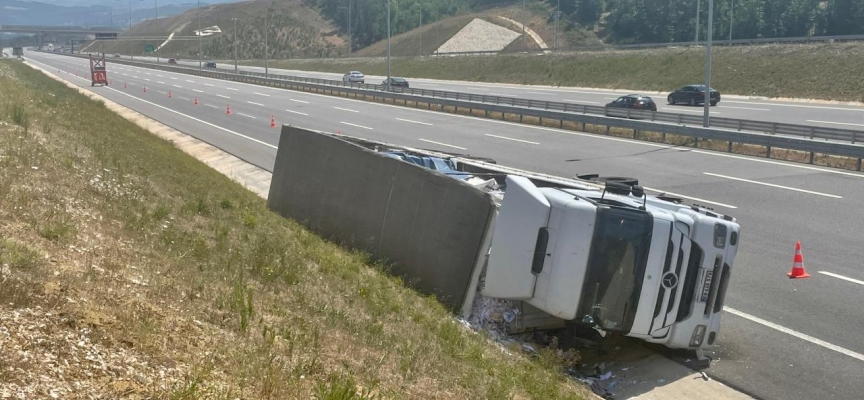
479	35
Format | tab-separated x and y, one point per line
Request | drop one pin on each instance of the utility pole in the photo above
705	117
131	54
698	10
350	42
235	44
387	87
557	17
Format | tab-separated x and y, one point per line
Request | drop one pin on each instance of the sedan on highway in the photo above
397	82
172	61
354	77
693	95
116	56
618	107
209	64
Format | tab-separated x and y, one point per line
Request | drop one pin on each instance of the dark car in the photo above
693	95
172	61
209	64
633	102
116	56
397	82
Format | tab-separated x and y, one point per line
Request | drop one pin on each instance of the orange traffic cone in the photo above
145	89
124	85
228	110
798	264
196	100
272	121
169	94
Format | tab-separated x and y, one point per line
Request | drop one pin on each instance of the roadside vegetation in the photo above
130	269
811	71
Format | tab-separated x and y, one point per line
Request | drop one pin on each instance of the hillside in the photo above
437	33
295	30
814	71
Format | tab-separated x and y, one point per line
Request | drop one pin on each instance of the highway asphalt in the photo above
781	338
741	107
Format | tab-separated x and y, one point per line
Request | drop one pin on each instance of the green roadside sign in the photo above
149	48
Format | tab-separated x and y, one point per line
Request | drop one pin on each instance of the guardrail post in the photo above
520	118
679	119
635	133
811	157
768	153
607	130
739	125
811	132
774	128
560	124
858	164
547	105
583	127
853	137
729	148
663	137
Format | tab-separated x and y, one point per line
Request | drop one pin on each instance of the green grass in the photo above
811	71
166	260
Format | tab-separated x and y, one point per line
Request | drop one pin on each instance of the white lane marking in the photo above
211	106
161	92
255	104
173	78
747	108
160	76
542	94
509	138
355	125
299	101
196	119
838	276
346	109
773	185
795	105
196	90
209	84
148	80
147	73
689	197
262	94
296	112
190	81
178	86
807	167
503	95
442	144
229	88
223	96
245	115
799	335
124	74
414	122
834	123
182	98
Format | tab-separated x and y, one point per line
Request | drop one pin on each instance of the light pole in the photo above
349	27
156	21
705	115
731	19
421	29
557	17
235	44
698	10
198	11
387	87
524	40
266	47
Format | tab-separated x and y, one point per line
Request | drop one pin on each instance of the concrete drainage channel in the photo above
800	145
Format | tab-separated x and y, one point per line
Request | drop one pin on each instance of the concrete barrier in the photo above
428	227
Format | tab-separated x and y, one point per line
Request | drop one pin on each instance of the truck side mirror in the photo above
540	251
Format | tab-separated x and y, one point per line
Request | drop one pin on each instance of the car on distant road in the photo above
172	61
693	95
209	64
354	77
631	101
397	82
116	56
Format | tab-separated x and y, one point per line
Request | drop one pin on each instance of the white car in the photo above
354	77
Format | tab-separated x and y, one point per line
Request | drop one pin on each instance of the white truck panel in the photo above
524	211
558	287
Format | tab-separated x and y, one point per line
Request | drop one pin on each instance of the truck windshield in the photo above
616	267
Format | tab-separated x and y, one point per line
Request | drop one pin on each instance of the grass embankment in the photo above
130	269
814	71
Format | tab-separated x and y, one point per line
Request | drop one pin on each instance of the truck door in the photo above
519	227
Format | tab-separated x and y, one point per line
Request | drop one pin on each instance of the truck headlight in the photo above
719	236
698	335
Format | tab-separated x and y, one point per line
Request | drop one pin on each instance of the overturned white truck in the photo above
587	250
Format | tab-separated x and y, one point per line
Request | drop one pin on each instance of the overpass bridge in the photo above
101	33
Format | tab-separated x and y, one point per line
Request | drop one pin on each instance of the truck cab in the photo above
617	260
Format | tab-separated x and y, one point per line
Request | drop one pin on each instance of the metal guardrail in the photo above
767	134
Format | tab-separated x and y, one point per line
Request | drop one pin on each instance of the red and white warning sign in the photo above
98	74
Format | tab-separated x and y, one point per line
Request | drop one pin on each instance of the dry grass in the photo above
132	270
